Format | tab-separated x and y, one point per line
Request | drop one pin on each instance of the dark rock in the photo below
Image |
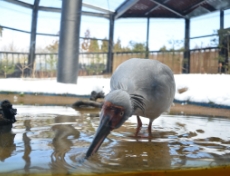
7	113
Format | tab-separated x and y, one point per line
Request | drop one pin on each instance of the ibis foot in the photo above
139	125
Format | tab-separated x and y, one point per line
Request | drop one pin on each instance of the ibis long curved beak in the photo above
102	132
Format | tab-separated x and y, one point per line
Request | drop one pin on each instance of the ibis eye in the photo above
121	113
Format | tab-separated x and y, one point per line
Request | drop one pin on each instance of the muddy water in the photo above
54	139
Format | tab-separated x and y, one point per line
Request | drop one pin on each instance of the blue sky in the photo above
161	30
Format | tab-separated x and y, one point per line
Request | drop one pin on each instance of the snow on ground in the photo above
202	88
84	86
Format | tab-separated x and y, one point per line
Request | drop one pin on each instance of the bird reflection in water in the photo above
27	146
62	145
7	145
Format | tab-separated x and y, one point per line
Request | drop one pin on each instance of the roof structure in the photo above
169	8
144	8
181	9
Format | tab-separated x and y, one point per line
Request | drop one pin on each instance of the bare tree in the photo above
23	67
86	41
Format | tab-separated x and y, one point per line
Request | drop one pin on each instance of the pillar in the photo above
147	40
68	53
186	61
33	32
110	45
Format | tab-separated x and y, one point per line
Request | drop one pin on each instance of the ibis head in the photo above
117	108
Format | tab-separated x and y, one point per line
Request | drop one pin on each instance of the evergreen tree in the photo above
163	48
94	46
117	46
137	47
104	46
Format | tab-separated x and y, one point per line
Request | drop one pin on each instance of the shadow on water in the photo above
54	140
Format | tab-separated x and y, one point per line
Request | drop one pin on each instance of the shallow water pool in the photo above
54	139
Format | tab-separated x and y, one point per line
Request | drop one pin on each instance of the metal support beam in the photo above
33	32
58	10
168	8
94	14
20	3
124	7
186	60
147	40
85	13
223	52
221	19
50	9
110	45
96	8
154	8
68	52
194	6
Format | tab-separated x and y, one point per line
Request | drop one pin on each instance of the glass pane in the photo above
15	16
28	1
110	5
14	41
99	27
227	18
160	35
53	3
44	42
48	22
208	23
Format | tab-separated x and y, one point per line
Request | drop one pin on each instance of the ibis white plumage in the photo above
141	87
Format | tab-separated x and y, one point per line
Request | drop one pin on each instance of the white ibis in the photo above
140	87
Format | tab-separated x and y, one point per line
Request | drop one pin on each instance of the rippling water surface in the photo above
54	139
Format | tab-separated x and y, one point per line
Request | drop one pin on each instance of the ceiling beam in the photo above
27	5
124	7
168	8
96	8
86	13
54	9
209	7
20	3
94	14
194	6
154	8
49	9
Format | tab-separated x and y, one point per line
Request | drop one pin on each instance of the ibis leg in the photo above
150	127
139	125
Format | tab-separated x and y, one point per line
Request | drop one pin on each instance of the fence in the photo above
172	59
204	60
14	64
201	60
